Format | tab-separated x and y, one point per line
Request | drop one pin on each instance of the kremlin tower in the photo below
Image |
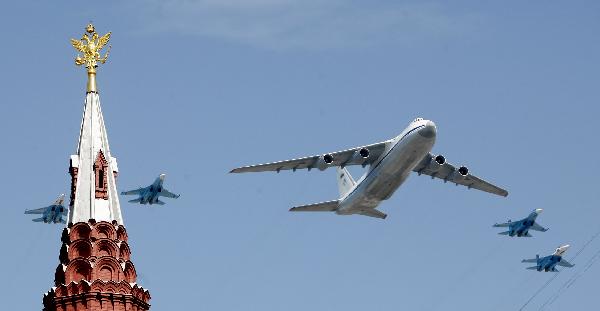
95	270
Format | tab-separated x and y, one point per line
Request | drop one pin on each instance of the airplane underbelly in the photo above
387	176
396	167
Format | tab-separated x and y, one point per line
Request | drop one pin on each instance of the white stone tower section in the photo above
94	170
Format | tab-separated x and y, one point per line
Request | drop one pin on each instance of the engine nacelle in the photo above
436	163
460	174
324	161
360	156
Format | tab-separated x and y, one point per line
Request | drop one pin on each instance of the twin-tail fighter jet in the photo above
549	263
51	214
390	163
151	194
521	227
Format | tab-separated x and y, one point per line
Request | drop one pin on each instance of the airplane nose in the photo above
429	130
538	211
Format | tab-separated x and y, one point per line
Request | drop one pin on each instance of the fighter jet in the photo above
521	227
52	213
549	263
390	163
150	194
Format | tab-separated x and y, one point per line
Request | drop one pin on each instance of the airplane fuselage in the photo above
53	214
548	263
393	168
521	228
152	194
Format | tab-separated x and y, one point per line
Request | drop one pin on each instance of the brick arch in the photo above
80	249
124	251
104	230
105	248
77	270
129	273
80	231
107	269
110	287
97	286
124	287
59	275
122	234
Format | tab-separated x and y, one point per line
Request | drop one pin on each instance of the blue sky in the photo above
194	89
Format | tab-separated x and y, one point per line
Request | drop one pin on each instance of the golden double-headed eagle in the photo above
90	48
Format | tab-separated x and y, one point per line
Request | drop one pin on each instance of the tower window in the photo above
100	168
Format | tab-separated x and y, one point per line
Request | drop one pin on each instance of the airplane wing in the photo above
565	263
530	260
137	191
35	211
431	166
537	227
166	193
356	156
506	224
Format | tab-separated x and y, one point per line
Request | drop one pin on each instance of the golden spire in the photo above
90	47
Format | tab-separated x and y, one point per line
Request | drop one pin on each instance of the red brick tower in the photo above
95	271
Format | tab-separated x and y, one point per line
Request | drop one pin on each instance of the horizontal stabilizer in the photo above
373	213
138	200
328	206
504	233
38	220
159	202
532	268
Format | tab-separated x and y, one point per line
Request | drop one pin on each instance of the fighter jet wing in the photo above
431	166
35	211
356	156
137	191
537	227
166	193
506	224
530	260
565	263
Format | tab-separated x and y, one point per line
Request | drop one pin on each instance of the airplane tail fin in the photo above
504	233
328	206
38	219
345	181
138	200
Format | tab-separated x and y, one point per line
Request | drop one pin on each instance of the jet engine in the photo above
324	161
460	174
436	163
360	156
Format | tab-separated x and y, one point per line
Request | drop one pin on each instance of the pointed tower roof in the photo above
93	169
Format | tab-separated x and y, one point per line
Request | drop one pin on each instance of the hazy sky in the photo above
196	88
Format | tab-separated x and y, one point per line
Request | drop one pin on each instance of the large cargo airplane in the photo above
390	163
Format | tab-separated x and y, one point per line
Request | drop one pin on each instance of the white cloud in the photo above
307	24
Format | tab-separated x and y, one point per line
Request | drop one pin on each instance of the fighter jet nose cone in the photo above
429	131
539	210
